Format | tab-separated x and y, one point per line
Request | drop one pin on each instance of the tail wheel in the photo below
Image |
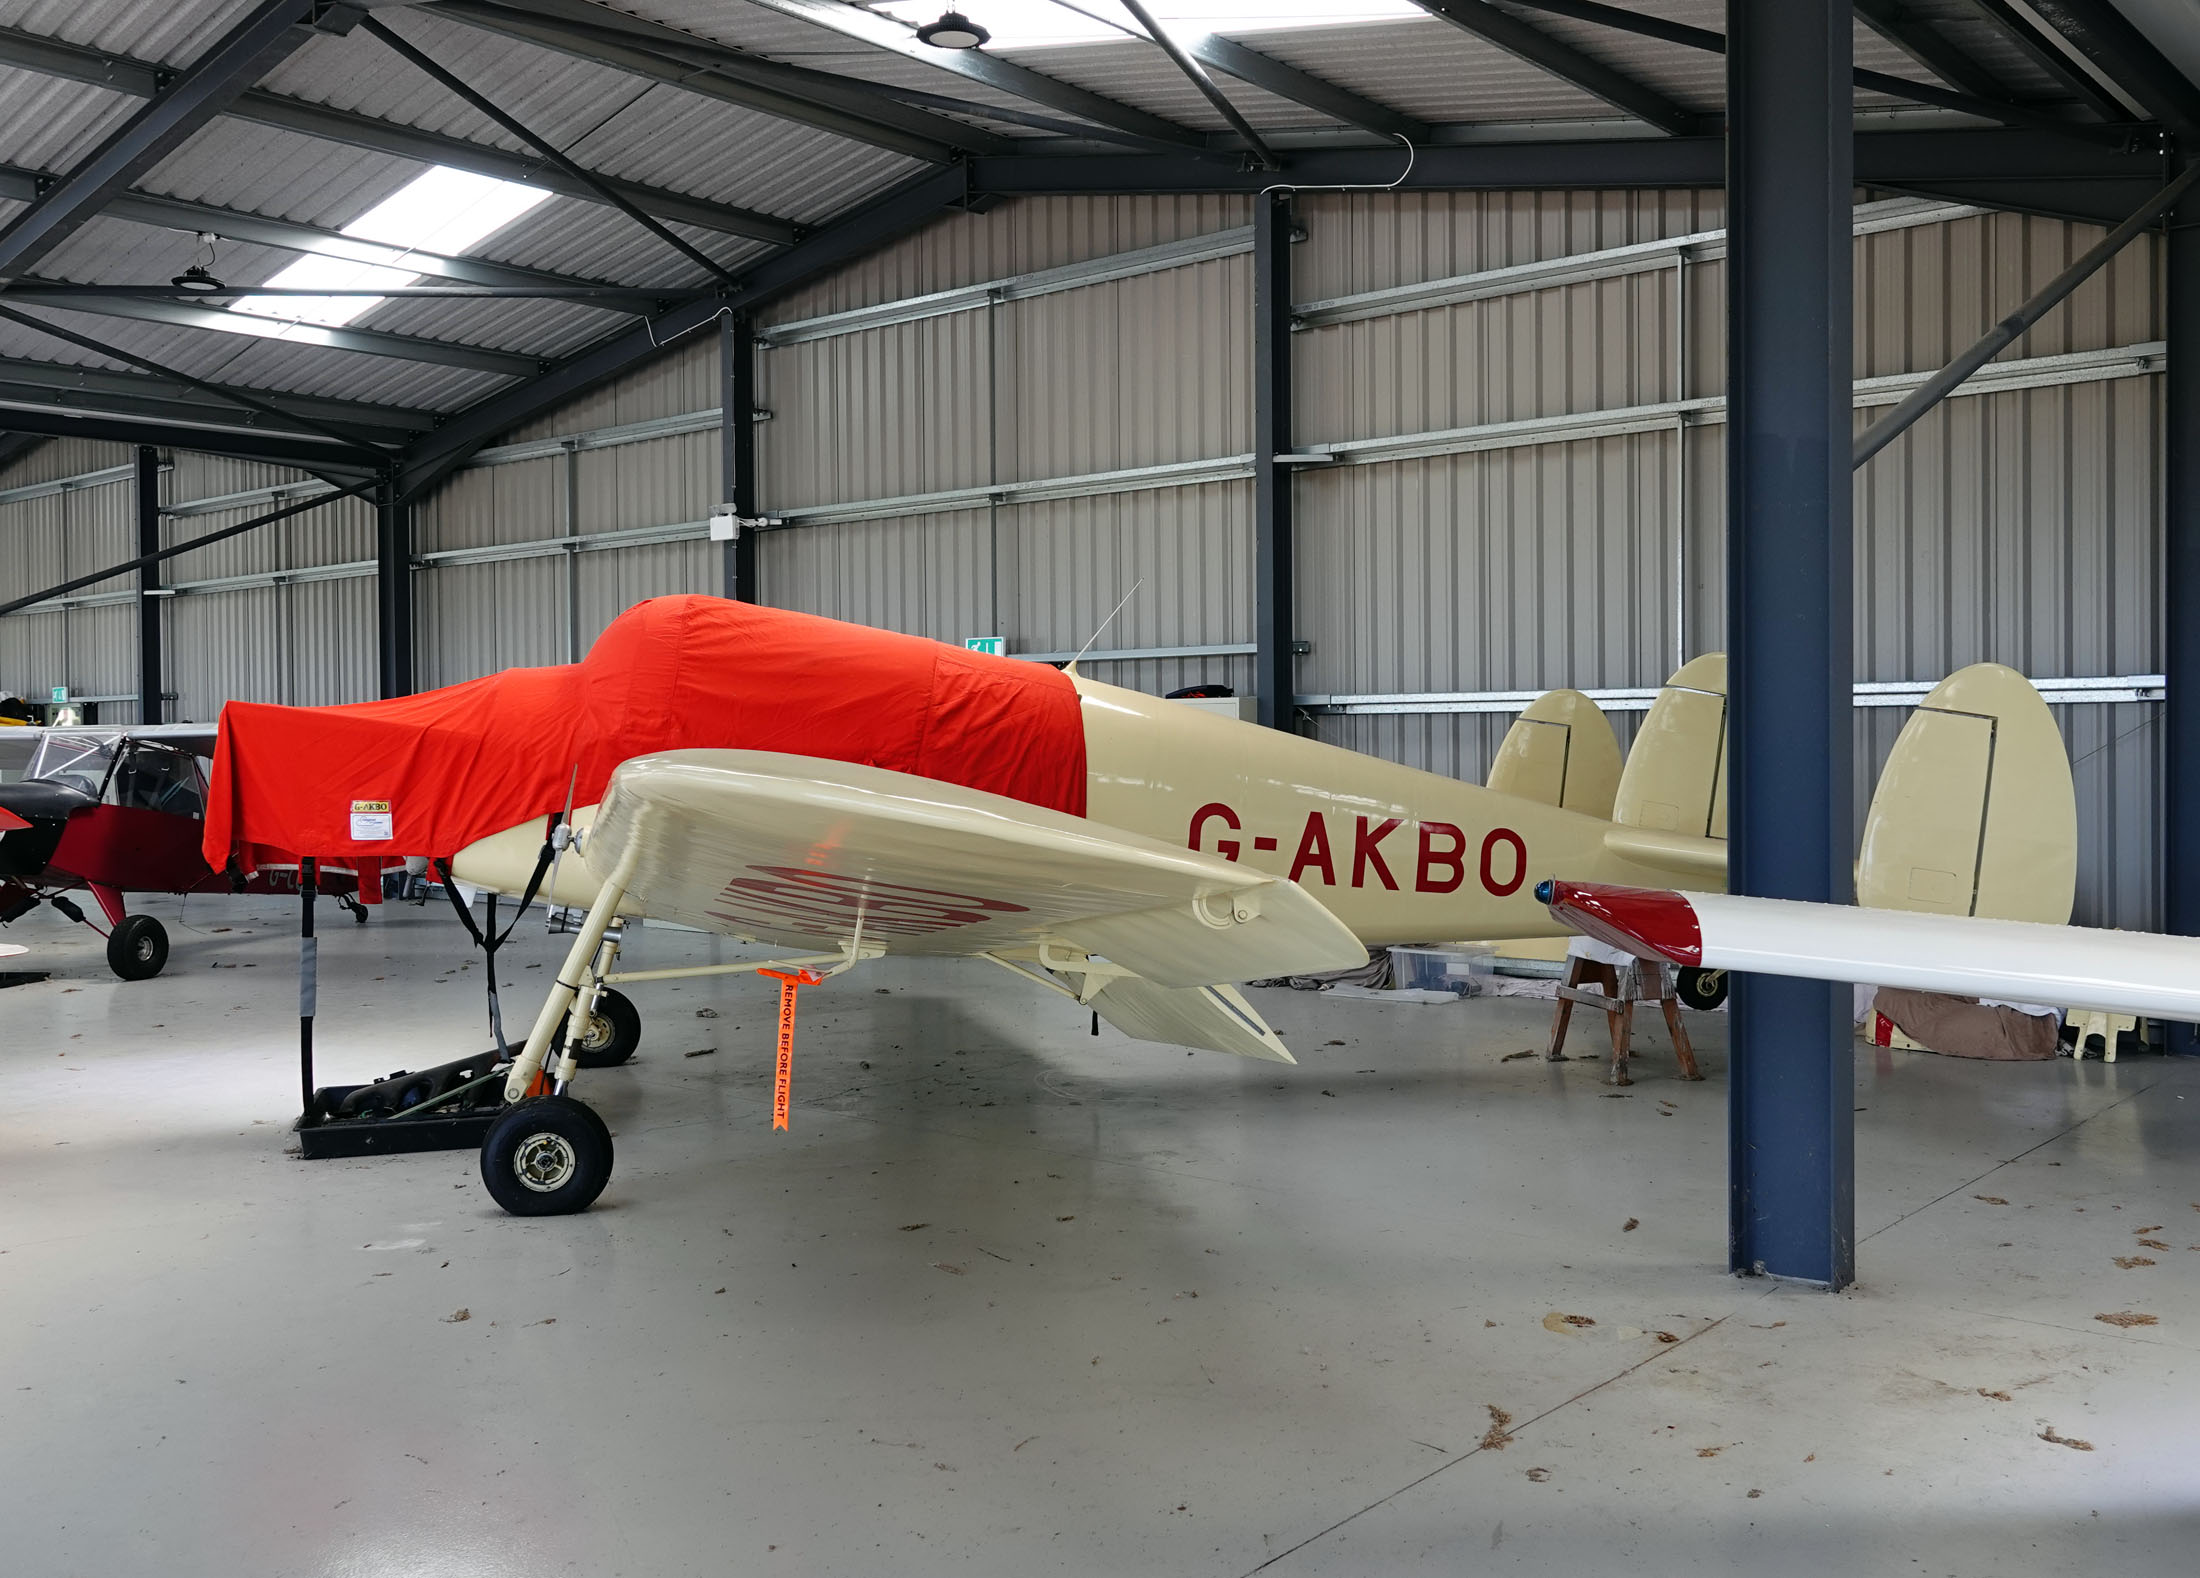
1703	990
613	1031
137	950
547	1156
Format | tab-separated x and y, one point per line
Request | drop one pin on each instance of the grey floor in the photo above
1012	1299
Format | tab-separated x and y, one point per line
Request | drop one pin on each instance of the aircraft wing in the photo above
19	744
801	851
2014	961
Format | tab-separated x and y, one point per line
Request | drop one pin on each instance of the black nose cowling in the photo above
46	808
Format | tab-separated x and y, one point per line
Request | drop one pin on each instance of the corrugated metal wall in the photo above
2020	526
307	641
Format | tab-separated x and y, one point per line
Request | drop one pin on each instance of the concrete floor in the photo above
1013	1299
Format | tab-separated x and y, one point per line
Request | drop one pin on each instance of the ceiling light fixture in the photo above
198	278
952	31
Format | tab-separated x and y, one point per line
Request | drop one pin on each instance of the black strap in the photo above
490	943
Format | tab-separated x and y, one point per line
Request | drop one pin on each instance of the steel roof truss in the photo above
267	35
844	106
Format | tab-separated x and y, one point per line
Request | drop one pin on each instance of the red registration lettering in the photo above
1366	851
1503	835
1227	848
1451	861
1314	851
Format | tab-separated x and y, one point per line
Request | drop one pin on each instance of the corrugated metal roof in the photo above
49	124
1431	70
708	150
160	30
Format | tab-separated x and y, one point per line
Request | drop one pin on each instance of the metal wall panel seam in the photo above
1016	287
1604	263
2001	377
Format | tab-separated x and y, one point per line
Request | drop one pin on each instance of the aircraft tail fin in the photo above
1975	813
1675	778
1561	751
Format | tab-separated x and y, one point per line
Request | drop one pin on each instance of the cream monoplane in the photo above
1167	854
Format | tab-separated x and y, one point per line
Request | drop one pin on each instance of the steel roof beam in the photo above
616	298
1270	75
870	227
367	342
1196	74
2127	57
1303	88
84	342
844	106
268	34
884	32
305	454
104	388
2022	170
231	224
1561	59
2018	30
124	75
1704	39
1916	37
467	94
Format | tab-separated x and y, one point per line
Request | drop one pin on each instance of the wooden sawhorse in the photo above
1623	986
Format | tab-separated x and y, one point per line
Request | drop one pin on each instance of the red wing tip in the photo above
1651	923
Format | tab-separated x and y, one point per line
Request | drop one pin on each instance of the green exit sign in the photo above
61	693
993	646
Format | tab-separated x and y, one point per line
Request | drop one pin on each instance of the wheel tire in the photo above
137	950
1703	990
547	1156
614	1031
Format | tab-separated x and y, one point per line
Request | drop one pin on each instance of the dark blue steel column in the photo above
1790	1124
2181	592
737	448
1275	675
151	672
393	544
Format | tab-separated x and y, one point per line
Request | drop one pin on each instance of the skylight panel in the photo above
444	211
1037	24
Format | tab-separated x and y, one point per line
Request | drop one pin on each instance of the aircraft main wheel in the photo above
1700	989
137	950
547	1156
614	1031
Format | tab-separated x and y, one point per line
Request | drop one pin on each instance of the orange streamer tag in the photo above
783	1081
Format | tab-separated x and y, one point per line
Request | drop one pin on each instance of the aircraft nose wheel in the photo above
614	1031
1703	990
547	1156
137	950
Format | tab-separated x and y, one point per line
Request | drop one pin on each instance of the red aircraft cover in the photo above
429	774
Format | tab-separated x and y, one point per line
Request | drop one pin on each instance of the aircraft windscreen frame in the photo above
62	758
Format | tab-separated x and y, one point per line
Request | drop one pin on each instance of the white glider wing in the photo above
801	851
2014	961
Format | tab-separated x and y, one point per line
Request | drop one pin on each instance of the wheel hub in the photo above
597	1034
544	1162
